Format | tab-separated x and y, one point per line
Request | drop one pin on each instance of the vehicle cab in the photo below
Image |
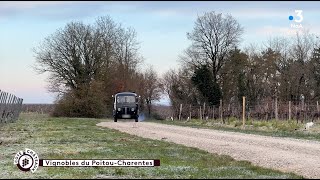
125	106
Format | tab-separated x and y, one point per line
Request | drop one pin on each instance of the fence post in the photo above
10	108
204	110
297	114
20	105
276	109
1	104
266	110
289	110
213	112
243	110
318	110
15	111
190	111
221	110
304	111
13	108
180	112
6	99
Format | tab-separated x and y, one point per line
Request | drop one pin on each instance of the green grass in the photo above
273	127
80	138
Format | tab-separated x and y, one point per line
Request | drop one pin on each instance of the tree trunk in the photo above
149	108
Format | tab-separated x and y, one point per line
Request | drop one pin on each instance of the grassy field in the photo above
280	128
80	138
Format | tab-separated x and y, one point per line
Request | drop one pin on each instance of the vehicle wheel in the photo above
136	119
115	119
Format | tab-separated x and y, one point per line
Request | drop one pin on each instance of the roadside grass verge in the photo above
80	138
280	128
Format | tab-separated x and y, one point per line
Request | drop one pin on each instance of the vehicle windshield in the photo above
126	99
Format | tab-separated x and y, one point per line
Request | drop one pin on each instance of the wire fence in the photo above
264	110
267	110
10	107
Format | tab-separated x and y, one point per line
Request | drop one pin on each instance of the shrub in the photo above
85	102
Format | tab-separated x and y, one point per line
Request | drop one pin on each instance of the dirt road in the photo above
285	154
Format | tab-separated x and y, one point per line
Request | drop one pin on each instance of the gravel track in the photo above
286	154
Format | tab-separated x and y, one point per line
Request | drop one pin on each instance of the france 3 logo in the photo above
297	19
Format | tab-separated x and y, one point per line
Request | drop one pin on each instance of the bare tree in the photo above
81	58
177	85
213	36
127	57
300	53
168	80
152	87
79	53
314	68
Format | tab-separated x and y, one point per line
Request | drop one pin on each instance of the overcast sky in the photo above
161	29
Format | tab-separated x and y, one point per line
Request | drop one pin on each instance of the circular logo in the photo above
27	160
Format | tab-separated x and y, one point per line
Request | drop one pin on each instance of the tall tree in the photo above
86	59
301	52
271	74
234	83
152	87
213	36
314	69
209	89
177	85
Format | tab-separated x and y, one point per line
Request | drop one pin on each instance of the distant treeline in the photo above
38	108
158	111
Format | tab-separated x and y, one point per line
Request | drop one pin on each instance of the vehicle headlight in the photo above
132	109
119	109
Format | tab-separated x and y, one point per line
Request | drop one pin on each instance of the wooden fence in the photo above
10	107
299	111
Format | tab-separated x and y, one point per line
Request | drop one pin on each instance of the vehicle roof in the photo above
126	93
